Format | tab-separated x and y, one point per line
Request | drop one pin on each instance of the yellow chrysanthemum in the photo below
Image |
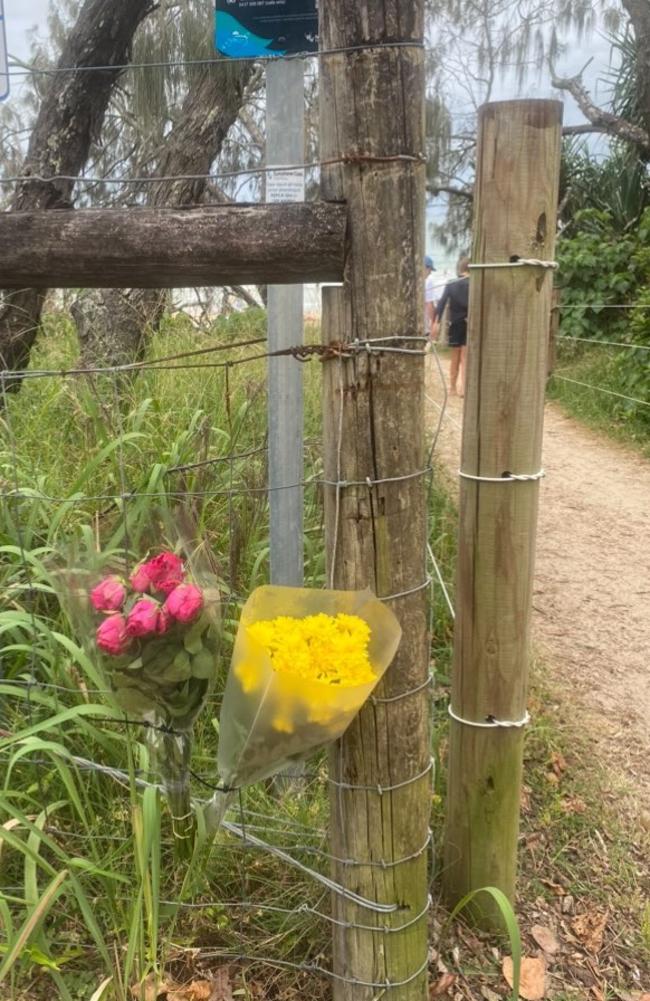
326	648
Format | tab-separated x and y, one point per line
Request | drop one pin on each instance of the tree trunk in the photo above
639	14
114	331
70	116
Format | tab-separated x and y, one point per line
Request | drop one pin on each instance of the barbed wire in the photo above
344	159
299	352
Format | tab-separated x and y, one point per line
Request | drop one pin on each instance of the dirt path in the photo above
592	582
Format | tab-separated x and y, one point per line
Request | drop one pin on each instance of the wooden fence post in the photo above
516	205
372	117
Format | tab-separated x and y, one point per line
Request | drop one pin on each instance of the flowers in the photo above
144	618
155	636
163	573
184	603
112	636
326	648
109	595
304	662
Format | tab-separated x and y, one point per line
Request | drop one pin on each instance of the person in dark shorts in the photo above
456	296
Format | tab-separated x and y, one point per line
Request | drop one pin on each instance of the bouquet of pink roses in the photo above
156	637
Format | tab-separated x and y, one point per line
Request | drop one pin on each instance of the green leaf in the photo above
509	920
32	922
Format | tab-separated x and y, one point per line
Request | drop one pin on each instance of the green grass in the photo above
87	871
598	367
87	864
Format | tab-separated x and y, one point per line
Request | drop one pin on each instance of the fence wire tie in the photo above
404	594
380	789
341	891
386	700
516	262
376	929
386	984
505	477
490	722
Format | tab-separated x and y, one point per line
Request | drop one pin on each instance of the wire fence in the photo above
59	746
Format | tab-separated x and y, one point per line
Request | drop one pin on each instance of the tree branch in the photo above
605	121
449	189
583	130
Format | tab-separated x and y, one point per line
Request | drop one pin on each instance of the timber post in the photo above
509	313
172	248
372	120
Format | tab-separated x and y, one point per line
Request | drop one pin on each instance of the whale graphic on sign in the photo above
252	28
236	41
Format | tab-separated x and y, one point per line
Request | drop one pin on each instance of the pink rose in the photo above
109	595
143	618
184	603
162	573
112	636
140	580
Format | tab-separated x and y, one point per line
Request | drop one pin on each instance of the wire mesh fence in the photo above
99	452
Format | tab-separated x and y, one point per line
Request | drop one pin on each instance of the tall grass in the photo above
599	368
90	893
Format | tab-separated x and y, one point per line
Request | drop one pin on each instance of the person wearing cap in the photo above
429	297
456	295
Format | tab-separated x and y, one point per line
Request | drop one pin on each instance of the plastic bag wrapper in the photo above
270	719
163	680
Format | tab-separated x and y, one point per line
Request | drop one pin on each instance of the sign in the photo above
4	66
285	185
253	28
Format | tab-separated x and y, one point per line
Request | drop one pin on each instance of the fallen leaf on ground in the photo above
573	804
221	985
556	888
558	763
532	983
546	939
198	990
150	989
443	986
590	928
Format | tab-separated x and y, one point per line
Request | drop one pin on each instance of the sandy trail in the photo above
592	581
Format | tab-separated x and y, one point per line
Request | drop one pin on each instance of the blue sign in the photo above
252	28
4	67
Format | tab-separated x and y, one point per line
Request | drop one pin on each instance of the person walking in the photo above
456	295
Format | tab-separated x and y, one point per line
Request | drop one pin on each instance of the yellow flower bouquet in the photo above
304	663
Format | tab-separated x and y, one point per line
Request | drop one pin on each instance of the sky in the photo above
21	15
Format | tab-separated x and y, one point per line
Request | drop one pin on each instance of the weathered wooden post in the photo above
372	120
516	205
